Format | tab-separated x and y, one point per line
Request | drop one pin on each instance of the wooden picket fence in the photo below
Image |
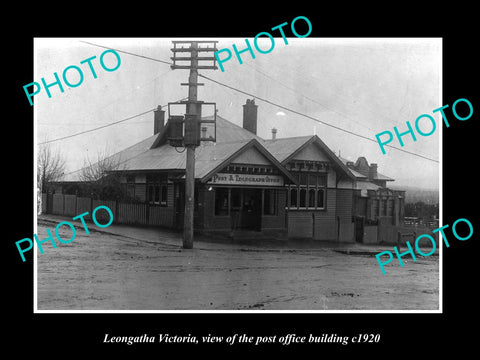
123	212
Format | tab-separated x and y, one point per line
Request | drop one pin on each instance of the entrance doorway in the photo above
246	206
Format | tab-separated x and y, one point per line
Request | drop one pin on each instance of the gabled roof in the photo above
229	157
285	149
155	154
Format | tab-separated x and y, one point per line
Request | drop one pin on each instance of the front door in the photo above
251	211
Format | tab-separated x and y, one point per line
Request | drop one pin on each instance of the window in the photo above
150	194
140	192
376	207
164	194
221	201
270	202
320	198
303	197
157	194
310	193
293	197
311	198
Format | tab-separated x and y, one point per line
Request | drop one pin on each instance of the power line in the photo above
126	52
103	126
324	106
97	128
312	118
275	104
308	98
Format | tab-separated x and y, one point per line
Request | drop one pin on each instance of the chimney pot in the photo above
274	133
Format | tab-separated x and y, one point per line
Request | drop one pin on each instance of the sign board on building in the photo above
246	179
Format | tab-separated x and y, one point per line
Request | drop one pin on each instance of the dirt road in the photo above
113	272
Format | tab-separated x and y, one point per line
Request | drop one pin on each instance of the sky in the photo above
363	85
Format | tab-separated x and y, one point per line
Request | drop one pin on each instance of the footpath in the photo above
172	238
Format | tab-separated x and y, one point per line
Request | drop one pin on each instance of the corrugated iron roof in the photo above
153	153
382	177
141	156
287	148
230	132
357	174
282	148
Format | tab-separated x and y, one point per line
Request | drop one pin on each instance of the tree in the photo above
99	178
50	166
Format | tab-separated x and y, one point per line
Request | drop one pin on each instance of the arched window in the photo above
293	198
320	198
303	197
311	198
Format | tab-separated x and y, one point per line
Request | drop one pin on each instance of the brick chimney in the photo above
372	171
158	120
250	116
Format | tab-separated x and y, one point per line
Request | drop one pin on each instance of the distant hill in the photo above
415	194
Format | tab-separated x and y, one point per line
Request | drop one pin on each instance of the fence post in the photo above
399	240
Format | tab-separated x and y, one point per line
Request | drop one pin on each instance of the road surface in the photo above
103	271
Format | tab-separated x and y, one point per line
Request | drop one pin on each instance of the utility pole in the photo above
192	121
192	109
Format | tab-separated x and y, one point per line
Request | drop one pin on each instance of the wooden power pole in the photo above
192	121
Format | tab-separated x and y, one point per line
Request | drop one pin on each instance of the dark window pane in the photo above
150	194
163	197
311	198
321	198
303	197
293	198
